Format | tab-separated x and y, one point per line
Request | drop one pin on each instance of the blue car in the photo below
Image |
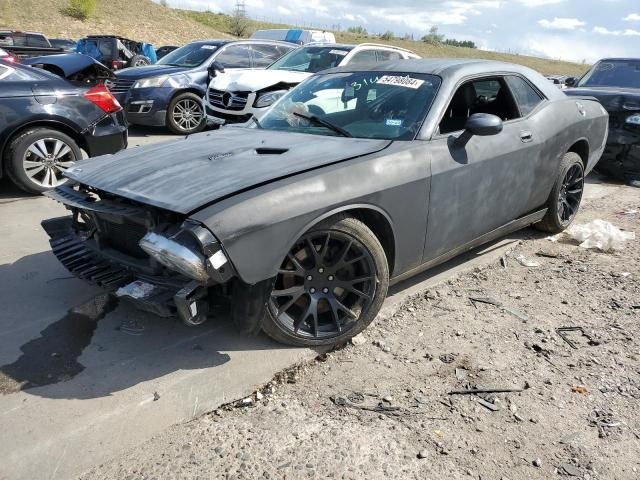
169	94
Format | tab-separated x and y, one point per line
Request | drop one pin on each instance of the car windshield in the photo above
613	73
311	59
376	105
192	55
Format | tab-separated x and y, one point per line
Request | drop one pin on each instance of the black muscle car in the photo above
615	82
357	178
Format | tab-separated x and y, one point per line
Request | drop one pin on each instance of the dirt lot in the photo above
382	408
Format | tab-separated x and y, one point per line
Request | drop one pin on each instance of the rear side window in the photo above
6	40
235	56
363	57
37	41
265	55
385	55
526	96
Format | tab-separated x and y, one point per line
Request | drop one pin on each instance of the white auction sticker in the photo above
342	53
218	259
208	47
400	81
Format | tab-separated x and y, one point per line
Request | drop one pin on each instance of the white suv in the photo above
236	96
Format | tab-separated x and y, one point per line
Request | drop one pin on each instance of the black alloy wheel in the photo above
325	284
570	194
566	194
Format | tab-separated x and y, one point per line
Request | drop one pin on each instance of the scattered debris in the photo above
579	389
359	339
537	462
422	454
570	470
525	262
562	332
516	313
473	391
156	396
447	357
548	253
461	373
491	406
605	421
487	300
600	234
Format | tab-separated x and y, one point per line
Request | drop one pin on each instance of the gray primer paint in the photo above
435	194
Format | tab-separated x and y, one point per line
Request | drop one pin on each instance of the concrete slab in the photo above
103	382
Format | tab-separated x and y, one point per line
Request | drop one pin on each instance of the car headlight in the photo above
175	255
634	119
268	98
151	82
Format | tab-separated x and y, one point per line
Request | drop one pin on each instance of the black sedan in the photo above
46	122
357	178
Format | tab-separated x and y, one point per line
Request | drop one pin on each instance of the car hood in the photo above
613	99
256	80
185	175
69	63
146	71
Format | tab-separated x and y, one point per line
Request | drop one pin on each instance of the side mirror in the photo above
571	81
483	125
214	68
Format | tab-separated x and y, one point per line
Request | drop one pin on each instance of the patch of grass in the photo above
80	9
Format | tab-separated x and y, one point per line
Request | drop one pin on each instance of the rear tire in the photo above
36	159
351	276
565	197
139	61
185	114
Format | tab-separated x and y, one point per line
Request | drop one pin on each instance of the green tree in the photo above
359	30
388	35
433	37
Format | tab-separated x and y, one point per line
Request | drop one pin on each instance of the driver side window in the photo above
487	95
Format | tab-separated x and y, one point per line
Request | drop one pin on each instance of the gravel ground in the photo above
381	408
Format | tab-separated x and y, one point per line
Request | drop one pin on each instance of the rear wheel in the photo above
330	286
186	114
566	195
38	158
139	61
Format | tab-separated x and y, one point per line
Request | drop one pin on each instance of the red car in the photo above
8	57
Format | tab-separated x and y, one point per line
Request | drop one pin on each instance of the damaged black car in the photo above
356	179
615	82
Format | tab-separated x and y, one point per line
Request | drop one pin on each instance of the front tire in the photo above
185	114
566	195
330	286
37	158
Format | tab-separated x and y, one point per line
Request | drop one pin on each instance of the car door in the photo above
486	182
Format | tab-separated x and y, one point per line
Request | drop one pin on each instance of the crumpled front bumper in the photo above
138	278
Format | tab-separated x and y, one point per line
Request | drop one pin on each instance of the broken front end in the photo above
161	261
621	158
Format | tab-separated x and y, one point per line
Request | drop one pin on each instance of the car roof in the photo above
455	69
19	32
619	59
220	42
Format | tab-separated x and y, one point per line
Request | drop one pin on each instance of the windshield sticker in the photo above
208	47
399	81
365	82
349	91
342	53
393	122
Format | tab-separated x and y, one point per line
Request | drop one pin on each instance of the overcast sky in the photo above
567	29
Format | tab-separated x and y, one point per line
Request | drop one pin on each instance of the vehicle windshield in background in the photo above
311	59
613	73
189	56
376	105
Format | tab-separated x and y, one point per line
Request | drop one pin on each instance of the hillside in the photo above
544	65
166	26
136	19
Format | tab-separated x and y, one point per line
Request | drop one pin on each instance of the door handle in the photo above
526	137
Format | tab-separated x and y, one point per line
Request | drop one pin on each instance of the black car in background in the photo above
46	122
66	44
615	82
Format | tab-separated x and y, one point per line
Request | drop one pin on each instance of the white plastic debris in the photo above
137	290
601	235
525	262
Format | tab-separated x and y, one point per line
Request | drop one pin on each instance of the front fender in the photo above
258	227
